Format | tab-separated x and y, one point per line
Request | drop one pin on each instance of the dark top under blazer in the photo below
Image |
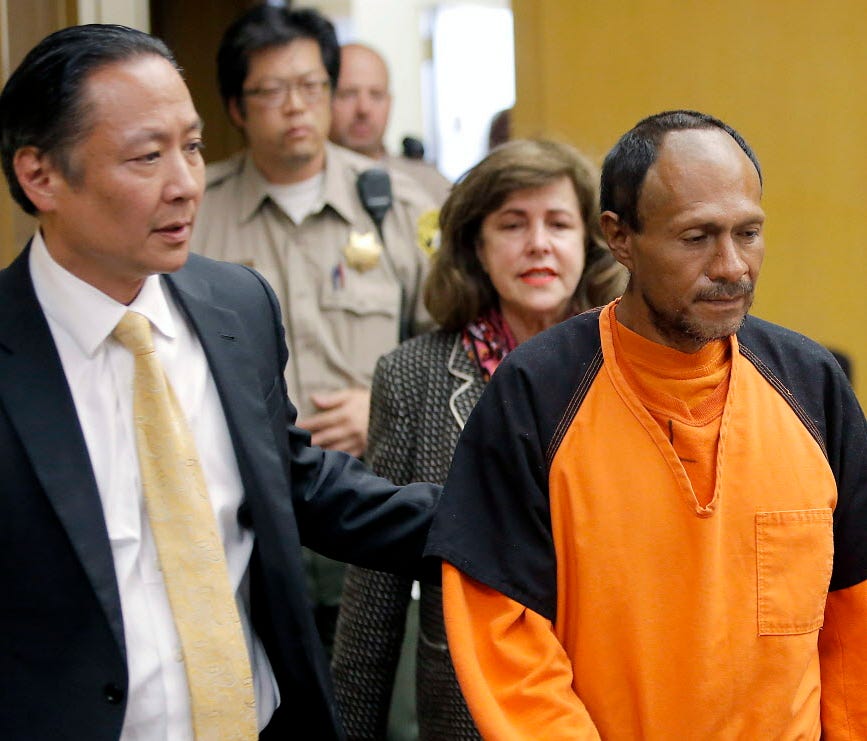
63	670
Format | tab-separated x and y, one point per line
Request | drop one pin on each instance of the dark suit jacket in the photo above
63	665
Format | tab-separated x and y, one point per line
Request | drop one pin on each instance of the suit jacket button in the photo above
113	693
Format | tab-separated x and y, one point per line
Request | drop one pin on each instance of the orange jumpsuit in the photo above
591	591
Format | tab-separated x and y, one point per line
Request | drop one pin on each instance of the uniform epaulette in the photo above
403	188
406	190
357	162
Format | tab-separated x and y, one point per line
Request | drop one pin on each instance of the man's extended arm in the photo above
343	510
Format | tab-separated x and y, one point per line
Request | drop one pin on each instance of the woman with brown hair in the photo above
521	250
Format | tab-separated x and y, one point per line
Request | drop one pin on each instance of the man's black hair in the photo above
266	27
626	165
44	104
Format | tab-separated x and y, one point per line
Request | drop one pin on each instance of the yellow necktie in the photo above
190	551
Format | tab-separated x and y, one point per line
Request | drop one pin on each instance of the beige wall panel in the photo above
788	75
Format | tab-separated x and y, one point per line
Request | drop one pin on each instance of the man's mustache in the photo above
720	291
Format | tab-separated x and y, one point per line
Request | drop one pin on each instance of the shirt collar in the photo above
340	182
338	191
86	313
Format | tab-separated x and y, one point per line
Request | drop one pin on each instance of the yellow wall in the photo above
790	76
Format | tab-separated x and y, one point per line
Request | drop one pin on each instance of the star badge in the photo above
362	252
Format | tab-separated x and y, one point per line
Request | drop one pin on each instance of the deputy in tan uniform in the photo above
360	109
340	289
289	207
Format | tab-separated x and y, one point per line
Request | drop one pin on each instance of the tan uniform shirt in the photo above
339	317
424	173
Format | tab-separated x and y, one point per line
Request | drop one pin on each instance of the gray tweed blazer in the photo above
423	393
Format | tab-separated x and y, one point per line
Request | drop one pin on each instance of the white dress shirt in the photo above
100	375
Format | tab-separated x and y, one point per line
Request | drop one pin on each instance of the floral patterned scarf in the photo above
487	340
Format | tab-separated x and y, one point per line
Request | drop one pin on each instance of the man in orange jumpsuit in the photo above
654	525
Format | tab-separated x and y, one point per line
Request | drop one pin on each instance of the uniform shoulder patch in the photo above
428	232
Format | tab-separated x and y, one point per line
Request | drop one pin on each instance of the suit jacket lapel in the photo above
38	402
470	385
232	364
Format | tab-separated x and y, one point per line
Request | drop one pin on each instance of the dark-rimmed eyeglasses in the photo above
274	93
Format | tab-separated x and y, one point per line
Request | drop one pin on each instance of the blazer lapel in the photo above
39	404
470	386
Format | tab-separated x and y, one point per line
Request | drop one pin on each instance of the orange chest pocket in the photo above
795	555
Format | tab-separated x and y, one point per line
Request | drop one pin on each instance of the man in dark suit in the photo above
101	142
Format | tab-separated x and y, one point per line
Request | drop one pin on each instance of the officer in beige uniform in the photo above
289	207
360	109
341	294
